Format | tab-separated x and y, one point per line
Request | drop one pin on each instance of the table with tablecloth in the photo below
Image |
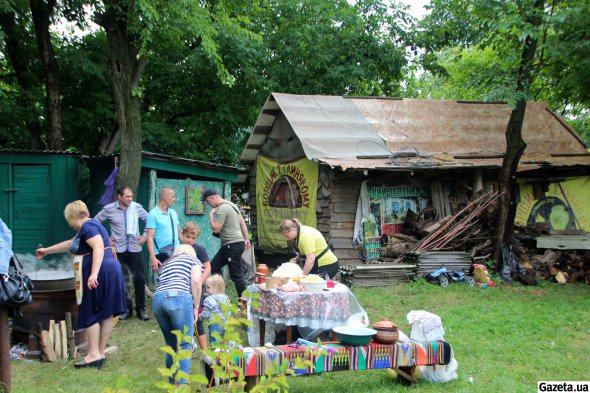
325	310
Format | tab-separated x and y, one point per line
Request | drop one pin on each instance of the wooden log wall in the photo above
343	193
253	209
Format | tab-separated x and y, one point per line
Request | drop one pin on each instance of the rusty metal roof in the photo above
417	133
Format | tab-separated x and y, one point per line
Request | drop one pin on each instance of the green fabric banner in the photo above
284	191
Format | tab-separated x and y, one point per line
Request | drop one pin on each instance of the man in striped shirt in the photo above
123	216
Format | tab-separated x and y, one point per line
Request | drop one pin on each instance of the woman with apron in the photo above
103	290
311	246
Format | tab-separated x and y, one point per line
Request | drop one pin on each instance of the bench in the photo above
401	357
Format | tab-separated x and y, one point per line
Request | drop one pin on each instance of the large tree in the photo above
21	84
18	18
134	29
308	47
521	38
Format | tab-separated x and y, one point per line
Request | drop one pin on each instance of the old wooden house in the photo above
321	158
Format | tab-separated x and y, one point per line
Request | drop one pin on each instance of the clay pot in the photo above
387	332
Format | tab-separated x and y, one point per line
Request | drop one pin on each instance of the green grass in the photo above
506	338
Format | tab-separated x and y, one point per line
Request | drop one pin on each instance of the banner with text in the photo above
284	191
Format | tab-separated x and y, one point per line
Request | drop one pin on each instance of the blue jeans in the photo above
215	327
174	311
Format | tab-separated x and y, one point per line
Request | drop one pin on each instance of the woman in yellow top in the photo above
310	242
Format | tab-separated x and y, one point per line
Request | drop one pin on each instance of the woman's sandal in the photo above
83	364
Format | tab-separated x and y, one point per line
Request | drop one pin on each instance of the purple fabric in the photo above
109	194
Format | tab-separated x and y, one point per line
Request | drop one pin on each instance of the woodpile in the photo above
562	266
469	231
58	341
430	261
372	275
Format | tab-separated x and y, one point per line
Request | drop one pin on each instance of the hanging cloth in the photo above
363	210
132	220
109	193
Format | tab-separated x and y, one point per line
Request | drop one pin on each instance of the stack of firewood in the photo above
562	266
58	341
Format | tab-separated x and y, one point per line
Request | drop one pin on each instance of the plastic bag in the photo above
253	331
358	315
249	273
427	326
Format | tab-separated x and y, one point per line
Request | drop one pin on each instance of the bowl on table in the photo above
352	335
314	286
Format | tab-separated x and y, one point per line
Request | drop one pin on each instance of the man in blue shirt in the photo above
163	229
123	216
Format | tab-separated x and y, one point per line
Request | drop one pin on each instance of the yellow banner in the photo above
567	209
284	191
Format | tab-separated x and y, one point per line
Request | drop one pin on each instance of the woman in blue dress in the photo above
102	280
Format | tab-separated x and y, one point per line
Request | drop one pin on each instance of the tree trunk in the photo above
107	143
125	70
515	145
41	11
20	61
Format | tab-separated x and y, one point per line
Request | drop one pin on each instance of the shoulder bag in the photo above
15	286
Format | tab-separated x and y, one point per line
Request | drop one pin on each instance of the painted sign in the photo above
284	191
563	208
389	206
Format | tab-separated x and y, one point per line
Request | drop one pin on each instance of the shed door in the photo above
31	206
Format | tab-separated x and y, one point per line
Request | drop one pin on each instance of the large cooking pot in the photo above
53	280
54	295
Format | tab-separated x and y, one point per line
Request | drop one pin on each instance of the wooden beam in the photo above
263	130
478	156
272	112
570	154
254	146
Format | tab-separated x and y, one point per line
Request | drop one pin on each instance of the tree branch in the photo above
138	71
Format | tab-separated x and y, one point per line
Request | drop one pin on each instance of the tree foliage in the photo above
471	52
198	72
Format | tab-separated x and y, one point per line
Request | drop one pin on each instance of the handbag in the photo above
15	286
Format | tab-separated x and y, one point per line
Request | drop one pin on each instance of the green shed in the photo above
36	185
184	176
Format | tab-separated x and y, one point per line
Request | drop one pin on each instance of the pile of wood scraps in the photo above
469	222
562	266
430	261
470	230
371	275
58	341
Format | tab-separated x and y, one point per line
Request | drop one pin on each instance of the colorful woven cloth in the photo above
338	357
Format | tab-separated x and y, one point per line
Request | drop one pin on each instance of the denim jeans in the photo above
215	327
174	311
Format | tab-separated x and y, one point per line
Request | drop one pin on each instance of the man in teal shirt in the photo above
163	229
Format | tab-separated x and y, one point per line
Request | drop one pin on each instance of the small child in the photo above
215	290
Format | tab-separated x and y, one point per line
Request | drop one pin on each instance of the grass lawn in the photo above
505	340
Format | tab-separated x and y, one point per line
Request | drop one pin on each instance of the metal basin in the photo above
52	280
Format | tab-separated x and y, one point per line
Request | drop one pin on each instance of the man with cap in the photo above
228	223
